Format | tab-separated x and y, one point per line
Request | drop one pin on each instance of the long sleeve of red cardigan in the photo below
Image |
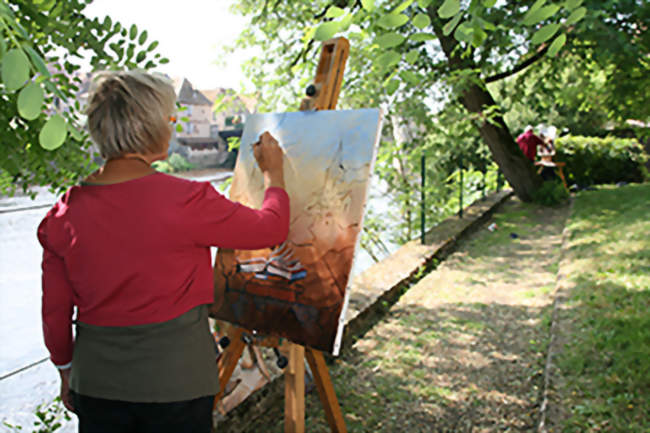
139	253
56	309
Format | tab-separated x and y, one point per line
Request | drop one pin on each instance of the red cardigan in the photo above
528	143
138	252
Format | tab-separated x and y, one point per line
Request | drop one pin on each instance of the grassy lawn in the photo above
604	367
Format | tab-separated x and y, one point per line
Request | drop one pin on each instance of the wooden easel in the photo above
321	95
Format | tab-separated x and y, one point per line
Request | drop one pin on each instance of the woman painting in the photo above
130	249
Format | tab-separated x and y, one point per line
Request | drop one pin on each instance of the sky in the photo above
190	32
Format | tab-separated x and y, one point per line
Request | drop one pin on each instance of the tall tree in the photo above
447	52
42	42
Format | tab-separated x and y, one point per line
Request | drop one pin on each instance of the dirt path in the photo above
463	350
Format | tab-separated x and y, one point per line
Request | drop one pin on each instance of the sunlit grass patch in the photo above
541	290
607	361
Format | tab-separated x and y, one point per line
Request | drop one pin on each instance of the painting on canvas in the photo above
297	290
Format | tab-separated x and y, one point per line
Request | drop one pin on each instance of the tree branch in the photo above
302	53
521	66
526	63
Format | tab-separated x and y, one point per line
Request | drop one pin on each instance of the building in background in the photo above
203	135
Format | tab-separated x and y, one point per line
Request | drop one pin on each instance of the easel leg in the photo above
229	360
561	174
294	391
326	390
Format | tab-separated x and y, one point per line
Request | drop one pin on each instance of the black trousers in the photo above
97	415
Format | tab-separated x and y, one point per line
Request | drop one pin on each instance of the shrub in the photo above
551	193
179	163
173	164
163	166
593	160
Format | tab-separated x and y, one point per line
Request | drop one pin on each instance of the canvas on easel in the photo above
298	290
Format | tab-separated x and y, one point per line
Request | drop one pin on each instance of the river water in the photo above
27	378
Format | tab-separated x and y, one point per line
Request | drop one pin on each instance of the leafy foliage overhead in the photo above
42	43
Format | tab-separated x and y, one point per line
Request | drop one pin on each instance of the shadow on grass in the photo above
607	362
603	382
458	368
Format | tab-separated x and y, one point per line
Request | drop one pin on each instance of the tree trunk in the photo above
516	168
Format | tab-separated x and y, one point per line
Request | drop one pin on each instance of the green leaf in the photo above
108	23
74	132
345	22
179	127
421	21
451	25
401	8
326	30
15	69
141	56
545	33
412	56
390	21
55	90
557	44
576	16
390	40
540	14
37	61
4	10
478	36
449	8
3	47
334	12
572	4
368	5
130	51
464	32
489	3
410	77
30	101
143	37
392	86
53	133
485	25
424	3
420	37
538	4
133	32
163	61
388	59
309	34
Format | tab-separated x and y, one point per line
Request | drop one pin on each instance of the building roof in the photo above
187	94
248	103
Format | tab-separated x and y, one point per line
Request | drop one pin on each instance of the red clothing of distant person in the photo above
138	252
528	143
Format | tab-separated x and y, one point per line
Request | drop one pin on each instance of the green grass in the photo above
607	367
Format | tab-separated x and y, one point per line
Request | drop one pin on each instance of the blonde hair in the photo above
128	112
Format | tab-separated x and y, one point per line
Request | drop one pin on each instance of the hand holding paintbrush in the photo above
270	159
